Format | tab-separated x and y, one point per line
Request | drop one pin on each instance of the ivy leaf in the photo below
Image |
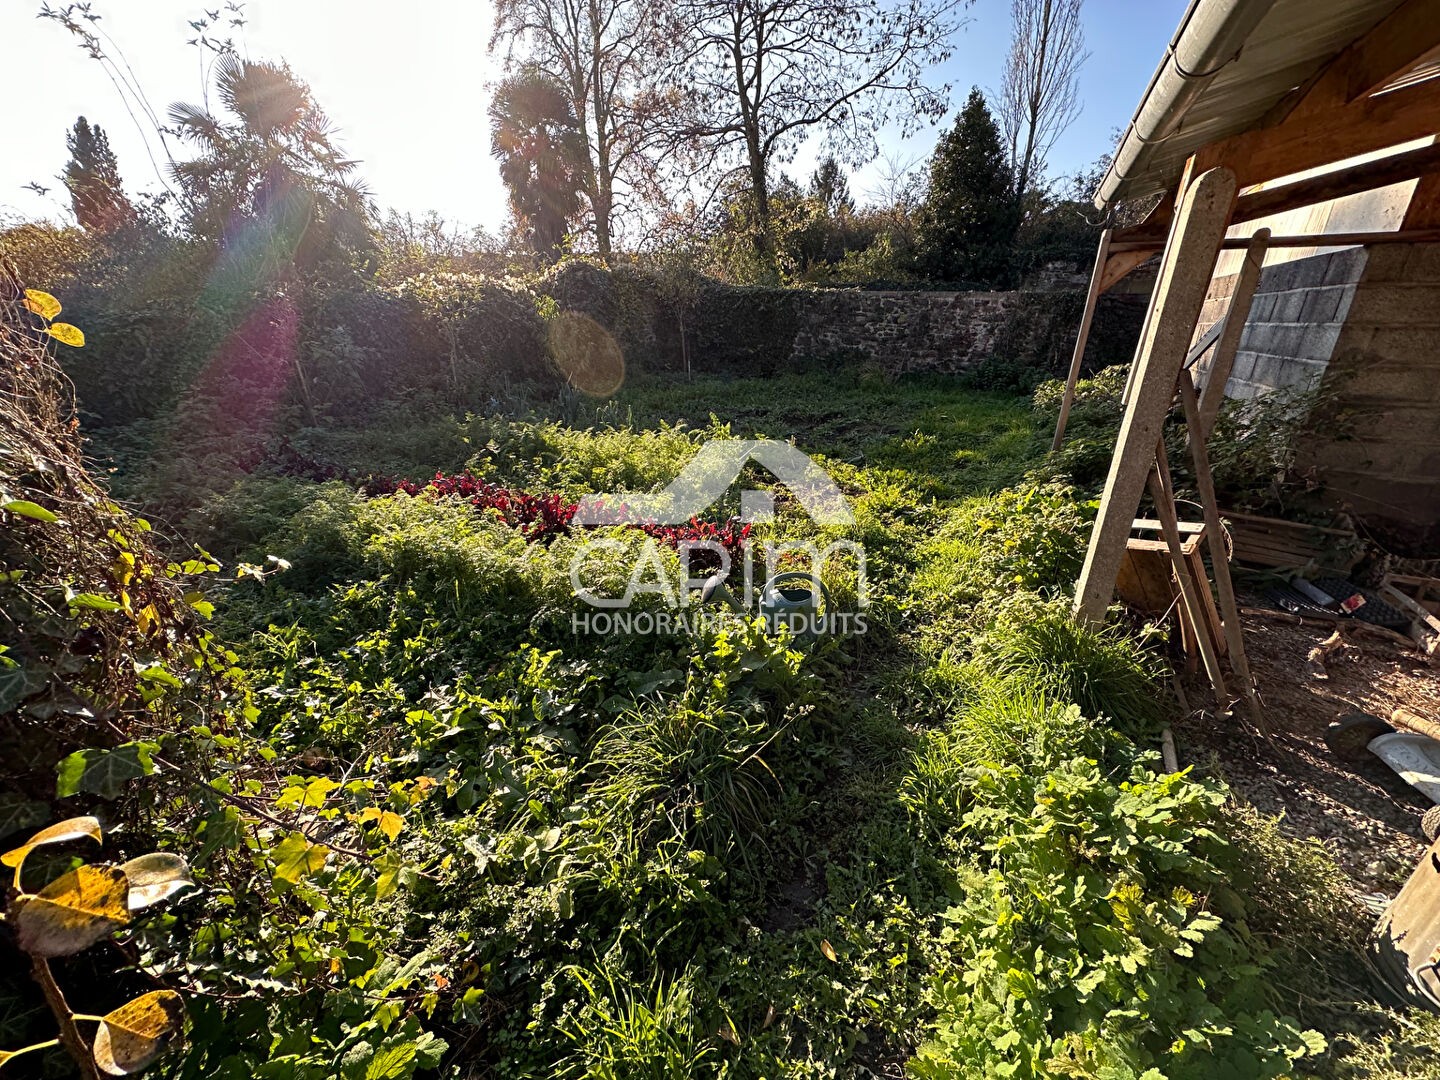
155	877
73	912
18	813
103	772
67	334
297	858
132	1036
42	304
27	509
21	682
59	833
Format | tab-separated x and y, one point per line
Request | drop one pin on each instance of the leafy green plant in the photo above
1100	944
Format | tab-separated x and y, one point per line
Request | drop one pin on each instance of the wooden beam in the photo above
1120	264
1345	239
1082	338
1236	316
1350	181
1310	139
1219	556
1175	308
1201	347
1401	40
1424	209
1189	587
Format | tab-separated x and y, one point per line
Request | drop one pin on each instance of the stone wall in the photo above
948	333
759	331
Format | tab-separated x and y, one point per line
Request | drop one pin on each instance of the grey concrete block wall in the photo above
1295	321
1364	324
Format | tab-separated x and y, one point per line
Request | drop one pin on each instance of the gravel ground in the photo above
1366	816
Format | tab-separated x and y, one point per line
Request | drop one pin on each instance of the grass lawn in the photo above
945	848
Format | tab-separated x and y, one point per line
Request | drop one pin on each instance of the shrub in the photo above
1093	949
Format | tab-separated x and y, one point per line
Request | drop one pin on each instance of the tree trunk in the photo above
602	197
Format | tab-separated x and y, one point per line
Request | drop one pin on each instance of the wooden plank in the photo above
1401	40
1219	557
1335	117
1201	347
1307	240
1424	209
1187	528
1175	307
1236	316
1102	253
1335	185
1199	622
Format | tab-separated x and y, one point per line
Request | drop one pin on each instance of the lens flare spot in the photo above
586	354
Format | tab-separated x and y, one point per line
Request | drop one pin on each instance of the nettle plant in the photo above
77	910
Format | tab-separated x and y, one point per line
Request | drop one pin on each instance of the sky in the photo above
407	85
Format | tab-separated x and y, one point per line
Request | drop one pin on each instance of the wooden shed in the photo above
1293	147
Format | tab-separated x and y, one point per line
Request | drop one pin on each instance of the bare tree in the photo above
607	56
1039	95
762	75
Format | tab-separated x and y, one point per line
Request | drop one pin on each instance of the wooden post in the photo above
1236	315
1179	295
1219	557
1092	297
1189	594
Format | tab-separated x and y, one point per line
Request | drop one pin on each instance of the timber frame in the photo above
1358	104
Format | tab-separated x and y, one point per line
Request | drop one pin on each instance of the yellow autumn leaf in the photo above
73	912
59	833
389	822
42	303
132	1036
155	877
829	951
64	332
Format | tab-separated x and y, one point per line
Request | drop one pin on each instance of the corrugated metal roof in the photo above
1293	41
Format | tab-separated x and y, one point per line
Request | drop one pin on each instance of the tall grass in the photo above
690	772
629	1032
1106	671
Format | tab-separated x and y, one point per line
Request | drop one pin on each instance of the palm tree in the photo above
276	159
535	135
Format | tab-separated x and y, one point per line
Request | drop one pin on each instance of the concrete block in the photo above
1345	266
1241	391
1289	305
1244	367
1386	263
1300	374
1321	304
1423	265
1396	304
1411	346
1262	308
1317	341
1308	271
